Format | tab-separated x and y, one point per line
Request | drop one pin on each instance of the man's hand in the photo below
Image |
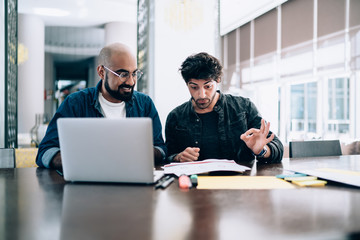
56	162
158	157
188	155
256	139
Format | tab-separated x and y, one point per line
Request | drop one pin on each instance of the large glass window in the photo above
310	50
303	110
338	100
311	94
297	107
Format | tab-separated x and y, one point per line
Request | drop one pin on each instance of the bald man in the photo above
113	97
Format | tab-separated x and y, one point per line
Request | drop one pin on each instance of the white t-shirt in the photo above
112	110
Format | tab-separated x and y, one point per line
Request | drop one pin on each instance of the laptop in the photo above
107	150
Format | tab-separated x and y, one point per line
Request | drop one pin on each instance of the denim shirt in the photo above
236	115
85	103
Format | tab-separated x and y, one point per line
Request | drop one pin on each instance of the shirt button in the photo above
196	142
197	120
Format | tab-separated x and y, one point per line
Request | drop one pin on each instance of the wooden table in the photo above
38	204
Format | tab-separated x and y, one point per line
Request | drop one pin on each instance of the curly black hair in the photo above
201	66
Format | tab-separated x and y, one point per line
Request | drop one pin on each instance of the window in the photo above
338	102
303	110
308	49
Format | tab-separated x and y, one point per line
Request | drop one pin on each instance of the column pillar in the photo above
31	35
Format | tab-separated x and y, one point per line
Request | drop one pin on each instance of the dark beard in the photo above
116	94
204	106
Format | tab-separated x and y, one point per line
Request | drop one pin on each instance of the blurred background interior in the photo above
297	60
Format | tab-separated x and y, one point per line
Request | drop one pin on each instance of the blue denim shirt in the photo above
236	115
85	103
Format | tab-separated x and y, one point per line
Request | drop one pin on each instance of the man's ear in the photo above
101	71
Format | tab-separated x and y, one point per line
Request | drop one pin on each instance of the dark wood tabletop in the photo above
38	204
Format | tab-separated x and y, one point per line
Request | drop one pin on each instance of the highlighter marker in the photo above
194	180
184	182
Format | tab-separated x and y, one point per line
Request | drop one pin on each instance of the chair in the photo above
7	158
303	149
351	148
25	157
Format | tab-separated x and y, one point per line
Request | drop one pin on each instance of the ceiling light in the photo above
53	12
184	14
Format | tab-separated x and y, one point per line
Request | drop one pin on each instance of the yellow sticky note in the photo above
242	182
314	183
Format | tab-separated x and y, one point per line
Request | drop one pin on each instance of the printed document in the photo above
208	165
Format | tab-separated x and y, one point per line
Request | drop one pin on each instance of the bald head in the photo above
116	59
114	50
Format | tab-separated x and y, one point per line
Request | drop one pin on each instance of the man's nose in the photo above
131	80
202	93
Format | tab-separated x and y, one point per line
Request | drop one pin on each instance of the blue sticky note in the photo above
290	175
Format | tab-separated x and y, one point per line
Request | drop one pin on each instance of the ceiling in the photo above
80	12
74	28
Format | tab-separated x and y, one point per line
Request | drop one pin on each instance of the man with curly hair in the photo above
216	125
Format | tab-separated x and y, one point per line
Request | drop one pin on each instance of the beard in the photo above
203	103
117	94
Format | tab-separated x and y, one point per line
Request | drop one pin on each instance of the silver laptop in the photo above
107	150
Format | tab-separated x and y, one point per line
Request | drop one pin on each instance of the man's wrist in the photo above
56	162
177	158
262	153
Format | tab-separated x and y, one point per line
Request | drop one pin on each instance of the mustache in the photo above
195	100
126	86
199	99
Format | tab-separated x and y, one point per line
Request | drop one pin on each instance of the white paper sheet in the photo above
208	165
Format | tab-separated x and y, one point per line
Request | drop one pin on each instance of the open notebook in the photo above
107	150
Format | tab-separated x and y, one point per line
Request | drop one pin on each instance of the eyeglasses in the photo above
124	76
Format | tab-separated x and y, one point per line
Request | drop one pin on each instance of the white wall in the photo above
31	32
121	32
173	45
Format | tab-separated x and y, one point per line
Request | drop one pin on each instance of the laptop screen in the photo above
107	150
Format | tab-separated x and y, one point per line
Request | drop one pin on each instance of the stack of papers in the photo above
209	165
